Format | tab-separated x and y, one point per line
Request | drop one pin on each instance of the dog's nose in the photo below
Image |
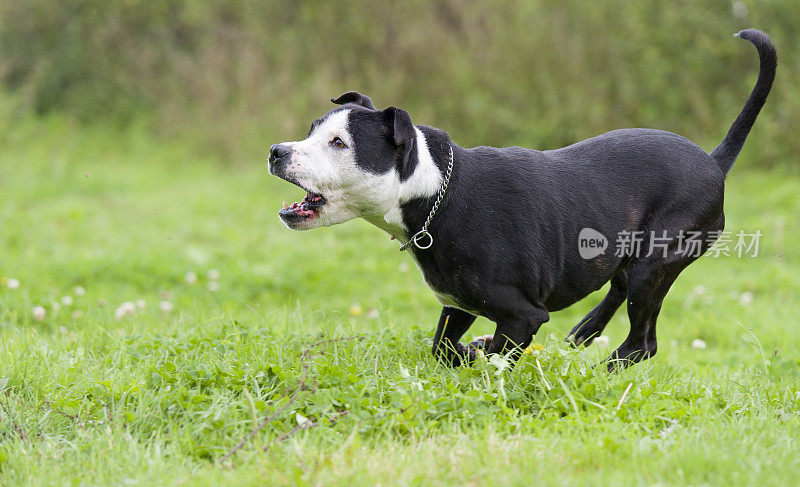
279	151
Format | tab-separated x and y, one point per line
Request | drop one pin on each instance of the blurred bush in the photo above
236	75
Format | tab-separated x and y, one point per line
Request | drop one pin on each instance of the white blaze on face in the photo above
350	190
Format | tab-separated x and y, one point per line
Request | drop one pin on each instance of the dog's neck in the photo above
417	192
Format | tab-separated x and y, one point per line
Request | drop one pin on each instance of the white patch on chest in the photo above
447	300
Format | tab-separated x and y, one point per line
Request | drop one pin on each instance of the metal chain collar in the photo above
423	239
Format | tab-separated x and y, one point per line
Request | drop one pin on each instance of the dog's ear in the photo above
354	97
400	128
399	124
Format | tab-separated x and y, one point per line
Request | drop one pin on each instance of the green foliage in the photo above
234	76
155	396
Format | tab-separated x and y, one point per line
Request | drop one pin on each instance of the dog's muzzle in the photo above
279	156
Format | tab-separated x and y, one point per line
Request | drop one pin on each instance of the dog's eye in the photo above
338	143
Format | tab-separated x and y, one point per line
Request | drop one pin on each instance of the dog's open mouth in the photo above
305	210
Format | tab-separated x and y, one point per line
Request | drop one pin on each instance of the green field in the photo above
156	392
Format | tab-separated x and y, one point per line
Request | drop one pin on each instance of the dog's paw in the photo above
481	343
583	334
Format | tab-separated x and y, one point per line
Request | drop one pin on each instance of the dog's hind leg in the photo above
650	278
453	323
593	324
649	281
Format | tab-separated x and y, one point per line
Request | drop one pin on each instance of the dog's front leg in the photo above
453	323
515	330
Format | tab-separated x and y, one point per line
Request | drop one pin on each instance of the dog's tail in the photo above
725	154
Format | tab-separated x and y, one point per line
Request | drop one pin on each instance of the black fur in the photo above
507	230
506	234
401	129
354	98
373	141
725	154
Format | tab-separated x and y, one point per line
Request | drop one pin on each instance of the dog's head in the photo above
351	164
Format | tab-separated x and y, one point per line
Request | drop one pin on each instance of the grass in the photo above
156	397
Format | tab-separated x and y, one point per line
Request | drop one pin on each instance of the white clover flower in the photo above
746	299
698	344
739	9
79	291
165	306
602	341
213	286
141	303
77	314
403	267
66	300
12	283
373	314
56	306
190	278
39	313
213	274
125	309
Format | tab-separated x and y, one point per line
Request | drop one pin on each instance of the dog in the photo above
498	232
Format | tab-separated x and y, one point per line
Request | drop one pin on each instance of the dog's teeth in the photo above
285	205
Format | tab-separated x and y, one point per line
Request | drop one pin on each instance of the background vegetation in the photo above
154	311
235	75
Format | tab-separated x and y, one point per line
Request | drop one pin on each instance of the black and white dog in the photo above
499	230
